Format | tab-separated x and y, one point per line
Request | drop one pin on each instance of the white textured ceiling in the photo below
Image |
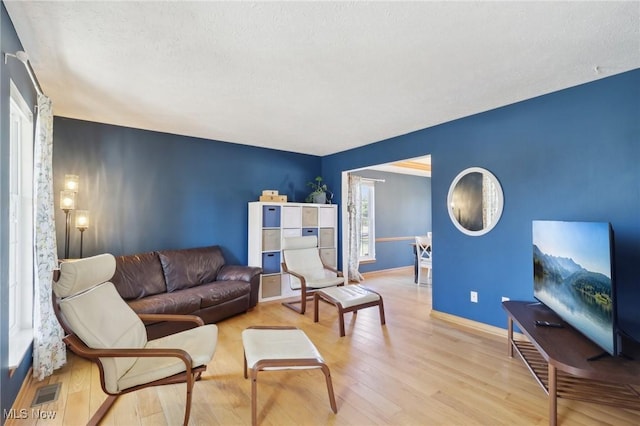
314	77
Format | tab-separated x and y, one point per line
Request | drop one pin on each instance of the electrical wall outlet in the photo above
504	299
474	296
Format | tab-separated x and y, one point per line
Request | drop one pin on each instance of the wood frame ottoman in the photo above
348	298
280	348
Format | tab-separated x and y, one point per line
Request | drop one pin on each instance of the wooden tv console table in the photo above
558	359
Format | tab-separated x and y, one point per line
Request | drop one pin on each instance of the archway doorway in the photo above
402	210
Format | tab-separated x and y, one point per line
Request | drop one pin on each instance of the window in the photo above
367	221
21	257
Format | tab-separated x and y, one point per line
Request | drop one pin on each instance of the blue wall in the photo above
12	70
150	191
569	155
403	210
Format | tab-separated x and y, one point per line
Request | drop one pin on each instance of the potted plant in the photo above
319	193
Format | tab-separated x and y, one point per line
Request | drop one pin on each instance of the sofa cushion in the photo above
138	276
219	292
180	302
190	267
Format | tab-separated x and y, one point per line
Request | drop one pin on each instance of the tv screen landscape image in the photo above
572	275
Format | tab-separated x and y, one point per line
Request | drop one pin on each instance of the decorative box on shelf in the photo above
272	195
274	198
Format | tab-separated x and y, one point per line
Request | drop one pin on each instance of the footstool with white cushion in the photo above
349	298
280	348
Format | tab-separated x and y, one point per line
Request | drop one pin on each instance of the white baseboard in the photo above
407	269
474	325
453	319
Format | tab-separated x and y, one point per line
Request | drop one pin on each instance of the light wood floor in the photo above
416	370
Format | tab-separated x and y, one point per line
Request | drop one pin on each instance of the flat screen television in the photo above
573	275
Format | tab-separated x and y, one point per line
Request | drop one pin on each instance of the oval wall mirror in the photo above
475	201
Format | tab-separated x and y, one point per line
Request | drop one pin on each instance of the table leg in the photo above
553	396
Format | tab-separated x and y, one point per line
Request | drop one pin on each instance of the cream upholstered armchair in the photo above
307	271
101	326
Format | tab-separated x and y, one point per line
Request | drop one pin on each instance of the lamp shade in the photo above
82	219
67	199
71	182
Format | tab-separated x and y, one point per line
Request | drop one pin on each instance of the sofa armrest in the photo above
237	273
250	274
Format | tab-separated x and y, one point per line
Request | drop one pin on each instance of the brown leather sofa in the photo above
189	281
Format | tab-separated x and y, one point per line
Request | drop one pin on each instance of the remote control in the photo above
548	324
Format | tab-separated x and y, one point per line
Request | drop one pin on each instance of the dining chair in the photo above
424	257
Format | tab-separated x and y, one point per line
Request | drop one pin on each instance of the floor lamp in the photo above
82	223
67	203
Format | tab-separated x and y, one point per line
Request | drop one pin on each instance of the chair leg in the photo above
293	306
381	307
254	397
304	297
102	410
303	302
316	313
332	398
341	319
187	408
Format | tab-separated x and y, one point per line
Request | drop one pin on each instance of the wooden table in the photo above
557	356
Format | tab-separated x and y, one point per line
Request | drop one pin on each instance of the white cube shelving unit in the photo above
270	223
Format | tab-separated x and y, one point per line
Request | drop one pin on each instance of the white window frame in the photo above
21	227
367	197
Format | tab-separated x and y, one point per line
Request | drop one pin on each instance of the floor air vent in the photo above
46	394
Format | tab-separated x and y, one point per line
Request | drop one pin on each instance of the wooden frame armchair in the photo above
308	273
100	326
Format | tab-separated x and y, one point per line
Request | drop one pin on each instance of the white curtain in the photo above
353	209
49	350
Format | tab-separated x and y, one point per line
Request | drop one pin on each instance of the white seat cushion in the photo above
260	344
200	343
102	320
318	283
296	243
305	262
302	257
351	295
